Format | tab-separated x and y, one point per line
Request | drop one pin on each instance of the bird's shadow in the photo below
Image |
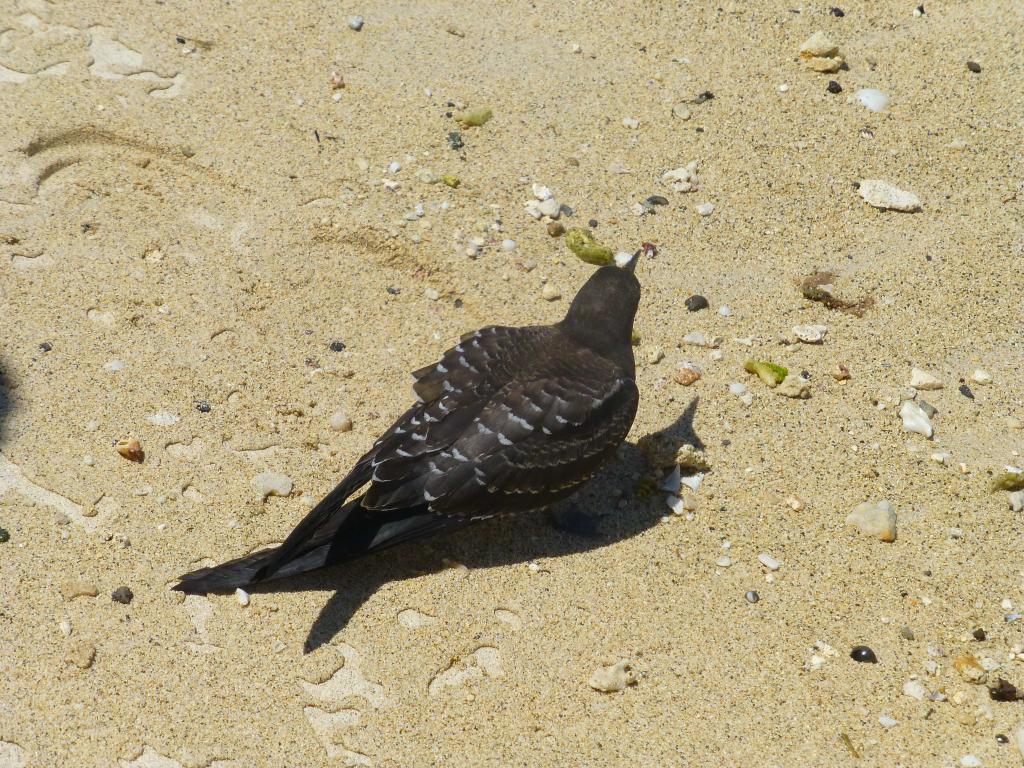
6	403
590	520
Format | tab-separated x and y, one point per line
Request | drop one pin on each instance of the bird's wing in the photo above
533	441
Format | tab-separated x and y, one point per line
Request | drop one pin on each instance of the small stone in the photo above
837	12
122	595
915	690
455	140
752	597
81	654
924	381
873	99
555	229
686	376
885	196
784	88
682	179
834	87
970	761
1017	501
696	303
915	419
966	391
863	654
698	339
242	597
970	668
431	294
795	386
979	635
337	346
550	293
887	721
656	355
821	54
840	372
906	632
681	111
617	677
550	208
769	562
131	450
340	422
705	209
724	561
272	484
876	519
78	588
163	419
810	334
981	377
508	245
631	123
974	67
355	23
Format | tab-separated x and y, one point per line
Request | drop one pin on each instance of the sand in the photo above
198	209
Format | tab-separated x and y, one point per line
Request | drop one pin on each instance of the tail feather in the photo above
233	574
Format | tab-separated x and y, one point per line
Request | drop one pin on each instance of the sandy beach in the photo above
230	231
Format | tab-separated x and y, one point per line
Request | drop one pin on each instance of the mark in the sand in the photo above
189	451
150	758
199	610
13	479
337	706
485	661
32	258
12	756
511	618
413	619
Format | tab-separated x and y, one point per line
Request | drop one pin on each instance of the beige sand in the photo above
168	205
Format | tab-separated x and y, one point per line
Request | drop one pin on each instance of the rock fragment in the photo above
617	677
876	519
821	54
883	195
272	484
924	381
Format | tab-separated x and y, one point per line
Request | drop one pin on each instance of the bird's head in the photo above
602	313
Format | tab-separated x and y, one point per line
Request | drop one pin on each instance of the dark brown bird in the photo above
510	420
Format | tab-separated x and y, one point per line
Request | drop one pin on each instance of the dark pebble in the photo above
696	303
46	346
202	406
1004	690
458	303
863	654
833	87
920	9
455	140
656	200
122	595
4	536
179	40
837	12
394	291
974	66
979	635
966	391
337	346
592	223
702	97
752	596
1001	739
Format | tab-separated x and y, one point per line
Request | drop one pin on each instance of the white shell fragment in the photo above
617	677
769	562
705	209
915	419
272	484
981	377
794	385
682	179
882	194
873	99
924	381
876	519
163	419
810	334
242	597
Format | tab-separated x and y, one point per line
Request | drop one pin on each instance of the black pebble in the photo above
696	303
46	346
656	200
337	346
837	12
704	96
202	406
122	595
979	634
592	223
179	40
974	66
455	140
394	291
4	536
1001	739
458	303
863	654
920	9
834	87
966	391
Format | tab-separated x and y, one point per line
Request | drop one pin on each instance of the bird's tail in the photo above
240	572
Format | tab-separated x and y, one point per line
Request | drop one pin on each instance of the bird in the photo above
509	420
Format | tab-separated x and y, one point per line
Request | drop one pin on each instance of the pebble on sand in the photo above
821	54
883	195
617	677
78	588
705	209
355	23
242	597
272	484
876	519
924	381
810	334
915	419
873	99
131	450
550	293
686	376
794	385
769	562
340	422
981	377
81	654
122	595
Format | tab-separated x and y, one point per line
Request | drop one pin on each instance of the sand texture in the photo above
198	199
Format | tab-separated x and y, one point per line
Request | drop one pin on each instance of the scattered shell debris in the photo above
883	195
